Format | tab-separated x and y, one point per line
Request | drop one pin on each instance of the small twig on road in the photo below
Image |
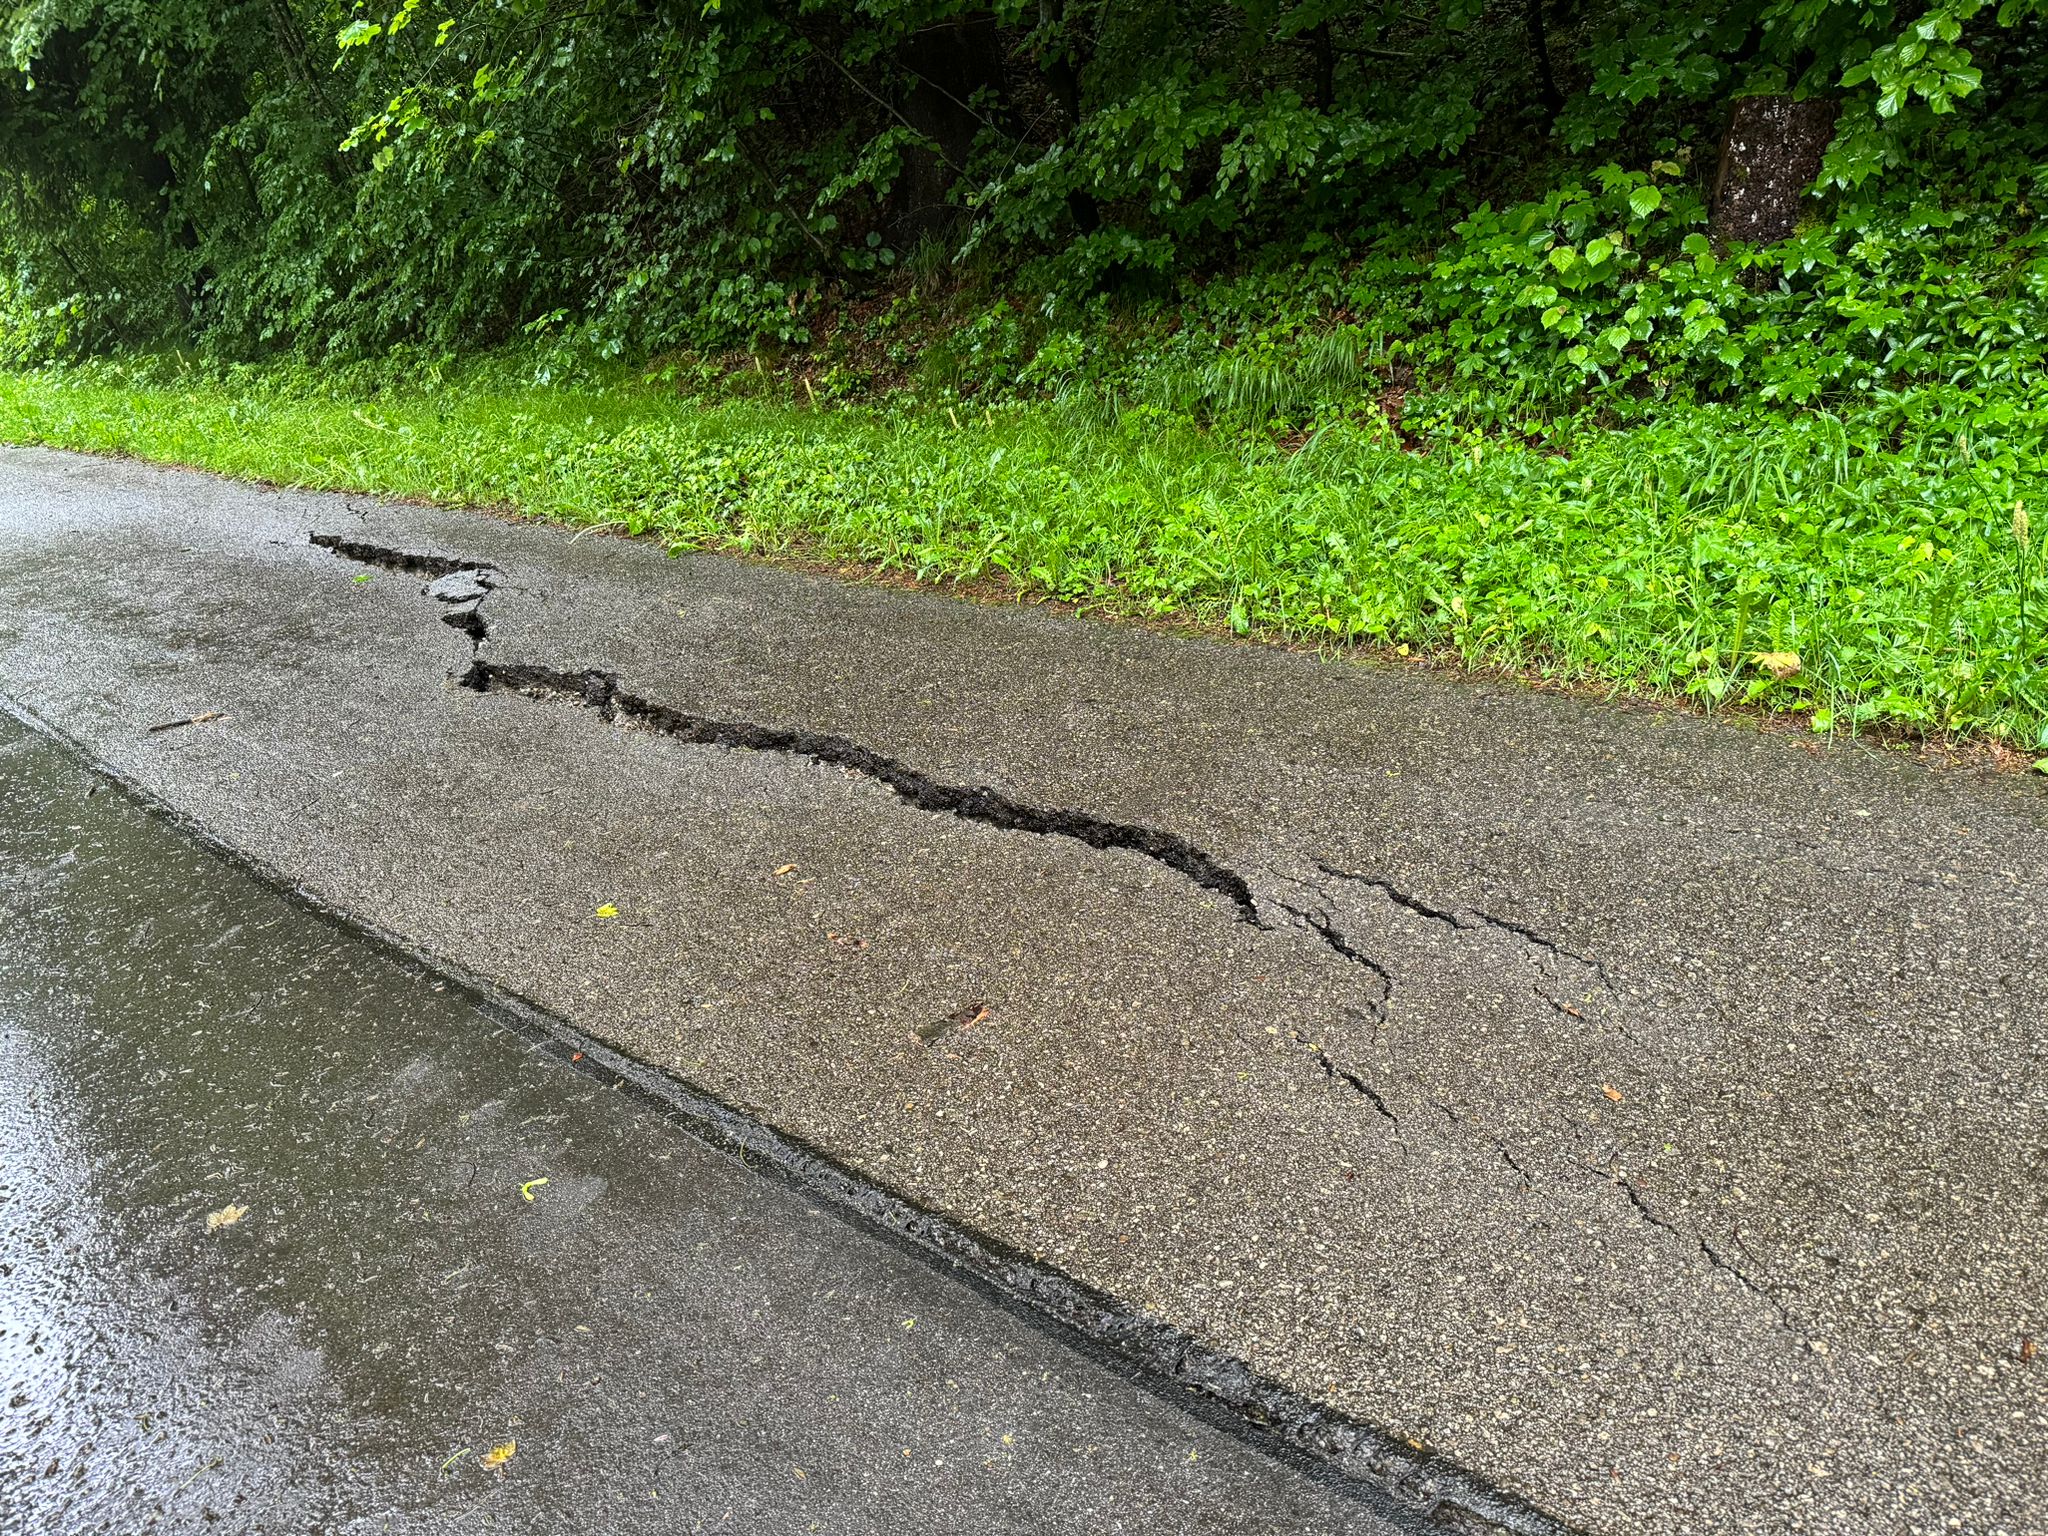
206	1467
198	719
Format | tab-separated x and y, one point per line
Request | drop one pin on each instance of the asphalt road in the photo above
445	1242
1644	1114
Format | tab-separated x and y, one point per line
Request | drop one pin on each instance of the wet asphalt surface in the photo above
1645	1114
448	1242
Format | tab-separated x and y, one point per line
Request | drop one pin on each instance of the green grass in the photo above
1880	548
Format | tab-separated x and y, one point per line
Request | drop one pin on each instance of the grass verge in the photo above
1866	570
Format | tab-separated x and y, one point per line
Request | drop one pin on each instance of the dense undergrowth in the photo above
1528	180
1693	554
1430	325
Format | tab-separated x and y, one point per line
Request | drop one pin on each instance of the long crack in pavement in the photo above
1444	1494
462	585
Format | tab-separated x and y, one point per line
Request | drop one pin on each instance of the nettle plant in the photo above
1611	286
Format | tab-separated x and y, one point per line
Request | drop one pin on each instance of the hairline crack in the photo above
1706	1249
1465	920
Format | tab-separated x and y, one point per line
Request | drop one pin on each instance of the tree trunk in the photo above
1770	156
1546	78
948	64
1062	77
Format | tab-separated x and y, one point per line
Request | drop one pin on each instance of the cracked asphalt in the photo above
1642	1113
445	1242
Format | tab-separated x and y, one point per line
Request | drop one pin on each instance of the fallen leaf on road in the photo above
1780	664
226	1216
498	1455
607	910
1611	1091
783	869
526	1190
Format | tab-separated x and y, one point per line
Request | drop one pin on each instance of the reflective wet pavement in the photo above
449	1242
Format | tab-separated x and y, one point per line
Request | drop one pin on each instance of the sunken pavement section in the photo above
1567	1117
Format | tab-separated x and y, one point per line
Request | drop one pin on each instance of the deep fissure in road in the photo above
601	691
461	586
1443	1494
386	558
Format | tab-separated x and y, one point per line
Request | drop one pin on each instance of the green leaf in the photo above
1645	201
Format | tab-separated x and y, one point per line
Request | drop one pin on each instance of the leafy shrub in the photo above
449	172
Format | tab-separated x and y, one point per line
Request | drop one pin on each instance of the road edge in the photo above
1430	1495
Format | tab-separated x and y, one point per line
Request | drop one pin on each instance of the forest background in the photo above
1683	349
